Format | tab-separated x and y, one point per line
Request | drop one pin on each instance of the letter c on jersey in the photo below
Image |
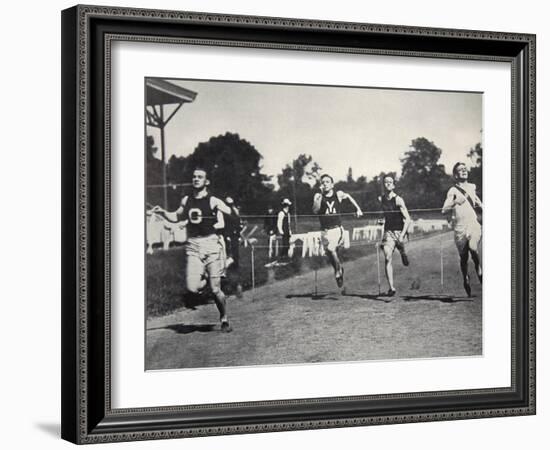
195	215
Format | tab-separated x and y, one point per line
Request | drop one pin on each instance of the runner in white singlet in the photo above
463	202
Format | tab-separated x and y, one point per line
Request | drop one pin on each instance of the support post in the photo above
163	154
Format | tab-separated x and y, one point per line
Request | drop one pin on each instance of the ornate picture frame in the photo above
88	33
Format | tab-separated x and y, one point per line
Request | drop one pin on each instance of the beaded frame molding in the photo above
87	35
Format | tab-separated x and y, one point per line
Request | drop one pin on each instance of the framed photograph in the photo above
283	224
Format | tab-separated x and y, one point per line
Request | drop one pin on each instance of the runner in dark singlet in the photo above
328	205
201	212
396	224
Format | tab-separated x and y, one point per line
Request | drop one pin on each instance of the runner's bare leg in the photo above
219	297
477	263
388	255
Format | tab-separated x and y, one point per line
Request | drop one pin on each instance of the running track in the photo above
283	323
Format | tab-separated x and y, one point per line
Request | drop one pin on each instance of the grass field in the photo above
284	322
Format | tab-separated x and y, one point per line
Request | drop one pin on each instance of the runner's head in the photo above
200	178
327	183
389	183
460	171
285	203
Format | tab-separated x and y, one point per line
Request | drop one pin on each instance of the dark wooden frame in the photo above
87	32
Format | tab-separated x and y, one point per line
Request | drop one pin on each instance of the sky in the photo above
367	129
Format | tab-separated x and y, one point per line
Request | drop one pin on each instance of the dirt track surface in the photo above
285	323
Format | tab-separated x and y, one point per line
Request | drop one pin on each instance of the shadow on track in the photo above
376	297
181	328
439	298
316	295
344	293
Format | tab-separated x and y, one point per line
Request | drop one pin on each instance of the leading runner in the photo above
201	213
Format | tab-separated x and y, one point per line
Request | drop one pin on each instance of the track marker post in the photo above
315	289
378	265
253	275
441	256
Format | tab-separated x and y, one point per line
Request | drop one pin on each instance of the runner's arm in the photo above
406	217
220	221
216	203
450	202
344	196
317	199
173	215
280	218
381	218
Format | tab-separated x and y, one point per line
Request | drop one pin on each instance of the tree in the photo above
296	182
359	189
150	148
234	168
302	170
423	180
153	173
475	155
476	171
349	178
421	160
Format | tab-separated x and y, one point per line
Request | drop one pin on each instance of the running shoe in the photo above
226	328
404	257
340	278
391	293
239	290
467	287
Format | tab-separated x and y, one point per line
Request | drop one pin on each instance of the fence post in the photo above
253	275
441	256
378	264
315	290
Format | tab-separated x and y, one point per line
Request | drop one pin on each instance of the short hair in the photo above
202	169
389	175
455	167
326	175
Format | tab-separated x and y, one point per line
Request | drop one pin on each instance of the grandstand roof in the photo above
161	92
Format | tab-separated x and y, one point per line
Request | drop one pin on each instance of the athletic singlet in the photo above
393	219
463	215
329	213
201	217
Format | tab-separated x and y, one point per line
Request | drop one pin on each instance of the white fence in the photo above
161	231
428	225
368	233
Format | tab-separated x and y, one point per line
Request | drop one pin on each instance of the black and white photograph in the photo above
302	224
275	222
